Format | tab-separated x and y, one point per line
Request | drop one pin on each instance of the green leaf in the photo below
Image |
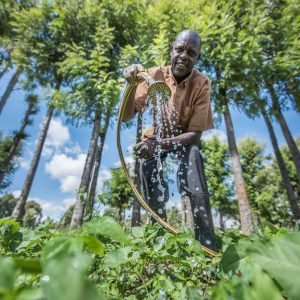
8	274
66	279
193	294
281	261
234	256
33	293
107	227
138	232
263	287
93	245
119	256
60	247
28	265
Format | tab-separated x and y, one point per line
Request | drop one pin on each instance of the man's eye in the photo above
191	53
178	49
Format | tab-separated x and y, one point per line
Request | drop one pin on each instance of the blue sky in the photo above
60	168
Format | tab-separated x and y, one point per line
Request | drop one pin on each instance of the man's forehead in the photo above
187	37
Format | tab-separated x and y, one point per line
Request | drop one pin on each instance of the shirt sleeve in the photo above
201	118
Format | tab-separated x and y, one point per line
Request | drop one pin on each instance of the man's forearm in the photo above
130	110
186	138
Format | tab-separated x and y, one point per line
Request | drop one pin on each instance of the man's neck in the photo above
180	79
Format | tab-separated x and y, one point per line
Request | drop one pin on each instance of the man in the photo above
188	114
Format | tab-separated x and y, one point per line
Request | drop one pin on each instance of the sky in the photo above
59	171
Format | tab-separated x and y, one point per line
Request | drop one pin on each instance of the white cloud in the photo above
103	175
25	164
16	194
58	134
129	160
210	133
72	149
67	170
51	209
69	201
106	147
59	140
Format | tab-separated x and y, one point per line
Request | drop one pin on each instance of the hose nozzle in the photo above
155	88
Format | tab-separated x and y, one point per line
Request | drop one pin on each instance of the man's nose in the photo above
184	55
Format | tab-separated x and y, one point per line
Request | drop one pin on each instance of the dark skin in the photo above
184	55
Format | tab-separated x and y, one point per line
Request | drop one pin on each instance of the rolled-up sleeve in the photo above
140	96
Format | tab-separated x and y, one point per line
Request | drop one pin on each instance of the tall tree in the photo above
10	157
279	63
94	84
218	173
283	170
9	88
80	205
6	143
97	164
225	54
117	192
42	36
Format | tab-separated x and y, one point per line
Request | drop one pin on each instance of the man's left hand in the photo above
146	149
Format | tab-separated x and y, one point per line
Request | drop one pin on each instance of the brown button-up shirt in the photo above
189	105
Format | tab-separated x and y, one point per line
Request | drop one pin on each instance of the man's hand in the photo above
130	73
146	149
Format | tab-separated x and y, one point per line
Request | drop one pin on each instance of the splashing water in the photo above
165	126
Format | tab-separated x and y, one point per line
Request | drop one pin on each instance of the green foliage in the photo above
117	192
263	183
6	167
219	179
272	259
7	204
104	262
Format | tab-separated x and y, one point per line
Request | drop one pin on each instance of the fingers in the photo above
130	73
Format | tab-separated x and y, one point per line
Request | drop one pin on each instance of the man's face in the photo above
184	55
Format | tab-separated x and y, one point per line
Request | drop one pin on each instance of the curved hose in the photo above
127	92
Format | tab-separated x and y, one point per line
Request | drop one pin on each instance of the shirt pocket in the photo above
185	117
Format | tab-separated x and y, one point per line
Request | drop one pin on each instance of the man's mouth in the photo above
181	65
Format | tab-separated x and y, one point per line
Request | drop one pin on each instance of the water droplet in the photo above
45	278
161	241
76	264
189	242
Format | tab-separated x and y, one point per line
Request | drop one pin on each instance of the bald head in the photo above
185	54
189	34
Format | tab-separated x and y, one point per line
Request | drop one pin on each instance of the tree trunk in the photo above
136	207
120	212
243	202
19	210
8	64
92	189
20	135
283	170
78	213
97	164
222	221
187	212
286	132
9	88
4	70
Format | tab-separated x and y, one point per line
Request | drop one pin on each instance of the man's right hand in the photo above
130	73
